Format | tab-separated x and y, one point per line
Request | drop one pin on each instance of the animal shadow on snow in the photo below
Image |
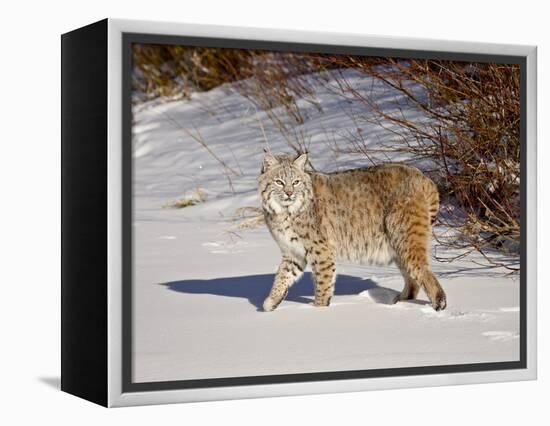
255	288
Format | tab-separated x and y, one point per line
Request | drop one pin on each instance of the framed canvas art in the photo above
251	212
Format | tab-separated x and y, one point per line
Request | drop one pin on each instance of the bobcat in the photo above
373	215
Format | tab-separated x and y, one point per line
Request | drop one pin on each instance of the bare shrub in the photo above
468	139
280	86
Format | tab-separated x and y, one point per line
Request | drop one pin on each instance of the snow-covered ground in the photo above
199	282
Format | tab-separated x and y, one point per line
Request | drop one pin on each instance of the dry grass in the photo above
168	70
199	196
249	218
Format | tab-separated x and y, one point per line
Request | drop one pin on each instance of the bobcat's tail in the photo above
432	196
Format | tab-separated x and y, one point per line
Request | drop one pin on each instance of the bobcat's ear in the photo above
269	161
301	161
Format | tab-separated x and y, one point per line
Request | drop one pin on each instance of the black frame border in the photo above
84	185
127	213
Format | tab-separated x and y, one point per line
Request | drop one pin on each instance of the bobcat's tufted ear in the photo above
301	161
269	161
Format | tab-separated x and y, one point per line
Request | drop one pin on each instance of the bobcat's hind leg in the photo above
410	291
290	270
431	286
408	228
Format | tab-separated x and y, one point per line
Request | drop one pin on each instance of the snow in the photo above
199	281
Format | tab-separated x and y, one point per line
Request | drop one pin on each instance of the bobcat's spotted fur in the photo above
374	215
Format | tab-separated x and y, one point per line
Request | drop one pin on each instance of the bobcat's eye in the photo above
279	182
296	182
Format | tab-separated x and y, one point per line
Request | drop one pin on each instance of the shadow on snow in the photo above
255	288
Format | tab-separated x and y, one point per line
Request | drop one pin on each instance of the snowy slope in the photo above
199	282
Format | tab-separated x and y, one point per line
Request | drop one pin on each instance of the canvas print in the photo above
314	212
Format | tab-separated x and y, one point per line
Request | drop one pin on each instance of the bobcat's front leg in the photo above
324	274
290	270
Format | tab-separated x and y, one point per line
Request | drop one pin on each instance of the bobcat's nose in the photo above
289	193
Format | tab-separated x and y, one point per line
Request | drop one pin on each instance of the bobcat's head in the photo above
283	183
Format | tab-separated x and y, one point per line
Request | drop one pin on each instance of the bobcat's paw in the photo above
322	303
270	304
440	302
